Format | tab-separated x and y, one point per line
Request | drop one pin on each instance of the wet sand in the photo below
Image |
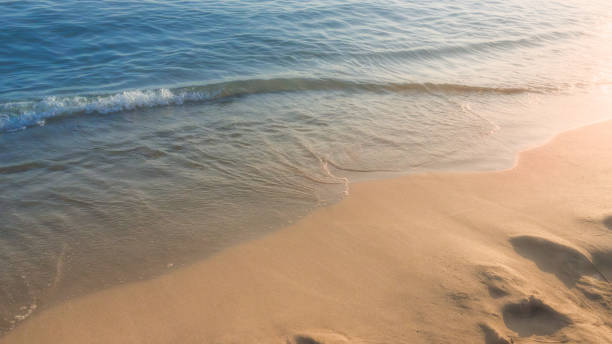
522	255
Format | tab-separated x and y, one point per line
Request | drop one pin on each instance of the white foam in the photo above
19	115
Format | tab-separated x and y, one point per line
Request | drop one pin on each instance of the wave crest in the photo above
22	114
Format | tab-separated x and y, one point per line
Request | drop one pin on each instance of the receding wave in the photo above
22	114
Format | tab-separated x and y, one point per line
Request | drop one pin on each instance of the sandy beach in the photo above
516	256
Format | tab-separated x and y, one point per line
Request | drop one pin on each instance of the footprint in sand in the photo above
299	339
607	221
318	337
533	317
567	263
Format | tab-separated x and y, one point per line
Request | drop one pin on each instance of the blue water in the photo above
67	47
136	136
53	50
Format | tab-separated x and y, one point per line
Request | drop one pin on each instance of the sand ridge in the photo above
516	256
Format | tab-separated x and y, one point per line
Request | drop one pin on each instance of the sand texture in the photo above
516	256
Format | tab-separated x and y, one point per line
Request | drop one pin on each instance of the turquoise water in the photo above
138	136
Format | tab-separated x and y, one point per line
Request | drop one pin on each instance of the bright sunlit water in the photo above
138	136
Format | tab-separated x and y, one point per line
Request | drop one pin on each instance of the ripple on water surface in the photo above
136	137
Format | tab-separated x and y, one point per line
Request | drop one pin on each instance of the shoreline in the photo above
431	257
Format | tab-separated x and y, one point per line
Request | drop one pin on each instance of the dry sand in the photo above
522	255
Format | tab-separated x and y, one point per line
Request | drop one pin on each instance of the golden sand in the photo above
523	256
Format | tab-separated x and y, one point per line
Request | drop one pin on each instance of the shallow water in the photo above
138	136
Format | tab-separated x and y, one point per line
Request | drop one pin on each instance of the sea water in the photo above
139	136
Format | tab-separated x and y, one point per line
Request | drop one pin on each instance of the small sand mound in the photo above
499	280
597	291
567	263
603	262
492	336
533	317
